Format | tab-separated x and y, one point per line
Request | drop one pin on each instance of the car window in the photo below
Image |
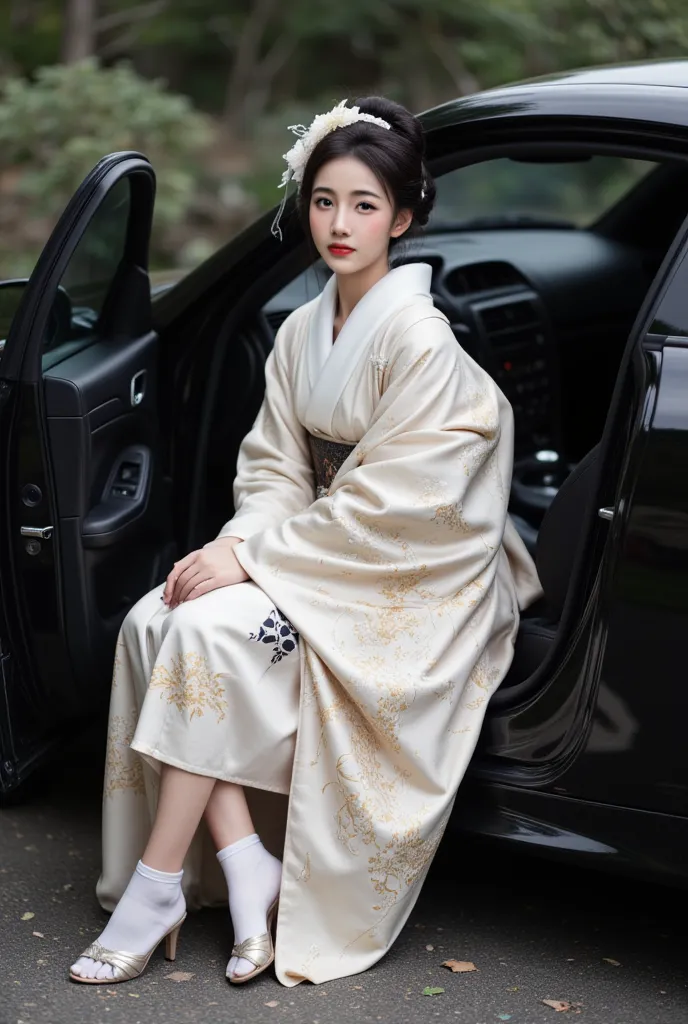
577	192
90	272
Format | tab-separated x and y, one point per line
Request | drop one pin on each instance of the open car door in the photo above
86	525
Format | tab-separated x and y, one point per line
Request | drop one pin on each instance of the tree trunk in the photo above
79	35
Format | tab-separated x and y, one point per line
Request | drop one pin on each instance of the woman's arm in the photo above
274	480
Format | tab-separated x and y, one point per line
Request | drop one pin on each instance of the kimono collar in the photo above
330	365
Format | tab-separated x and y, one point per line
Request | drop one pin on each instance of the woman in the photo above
339	641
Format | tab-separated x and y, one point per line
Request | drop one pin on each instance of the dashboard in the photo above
545	311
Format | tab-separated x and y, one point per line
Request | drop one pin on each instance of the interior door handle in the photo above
37	532
606	513
138	387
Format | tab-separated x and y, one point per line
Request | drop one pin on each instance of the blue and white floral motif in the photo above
277	630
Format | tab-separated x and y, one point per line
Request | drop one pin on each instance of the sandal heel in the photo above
171	944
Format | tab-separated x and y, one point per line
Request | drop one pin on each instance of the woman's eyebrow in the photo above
354	192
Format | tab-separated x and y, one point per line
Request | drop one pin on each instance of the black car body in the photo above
121	418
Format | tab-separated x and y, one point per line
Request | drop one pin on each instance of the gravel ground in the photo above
534	931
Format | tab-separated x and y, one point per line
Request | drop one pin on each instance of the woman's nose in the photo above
340	224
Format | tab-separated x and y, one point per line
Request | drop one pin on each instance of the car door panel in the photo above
88	503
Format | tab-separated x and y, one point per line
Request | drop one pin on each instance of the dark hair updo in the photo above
395	155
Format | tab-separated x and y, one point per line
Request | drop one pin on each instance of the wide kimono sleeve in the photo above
419	509
274	477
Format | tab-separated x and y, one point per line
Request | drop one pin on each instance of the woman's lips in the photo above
340	250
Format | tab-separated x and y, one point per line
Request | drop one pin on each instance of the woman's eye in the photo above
323	199
366	206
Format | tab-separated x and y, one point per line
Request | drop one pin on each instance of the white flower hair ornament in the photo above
308	138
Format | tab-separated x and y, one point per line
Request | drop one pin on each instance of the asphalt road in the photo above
533	930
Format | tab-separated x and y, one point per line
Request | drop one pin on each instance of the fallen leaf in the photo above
562	1005
273	1002
27	916
608	960
179	976
514	988
430	991
429	948
39	935
459	966
503	1016
358	986
134	995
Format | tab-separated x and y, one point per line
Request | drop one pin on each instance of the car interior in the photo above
542	291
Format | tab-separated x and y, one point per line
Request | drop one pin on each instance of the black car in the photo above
121	416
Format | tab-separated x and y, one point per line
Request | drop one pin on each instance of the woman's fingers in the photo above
174	575
205	588
183	578
186	586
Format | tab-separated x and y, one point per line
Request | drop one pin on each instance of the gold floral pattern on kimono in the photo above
484	678
123	767
120	652
191	685
402	861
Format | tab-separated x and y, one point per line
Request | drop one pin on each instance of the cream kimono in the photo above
354	670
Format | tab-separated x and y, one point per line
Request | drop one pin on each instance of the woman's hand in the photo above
212	566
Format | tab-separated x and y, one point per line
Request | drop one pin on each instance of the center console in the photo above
502	323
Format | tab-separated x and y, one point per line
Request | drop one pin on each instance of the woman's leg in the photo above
153	901
227	814
183	798
253	874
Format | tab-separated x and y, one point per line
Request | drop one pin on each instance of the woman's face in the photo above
351	217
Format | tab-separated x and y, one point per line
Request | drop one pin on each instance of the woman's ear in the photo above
402	222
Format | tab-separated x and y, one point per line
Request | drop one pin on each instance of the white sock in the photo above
150	906
253	881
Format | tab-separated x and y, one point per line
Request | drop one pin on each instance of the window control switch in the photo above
123	490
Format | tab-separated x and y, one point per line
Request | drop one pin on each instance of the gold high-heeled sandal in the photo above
259	949
127	966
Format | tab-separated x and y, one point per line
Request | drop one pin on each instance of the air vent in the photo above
482	277
509	315
276	317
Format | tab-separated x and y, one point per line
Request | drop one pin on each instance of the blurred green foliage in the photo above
206	88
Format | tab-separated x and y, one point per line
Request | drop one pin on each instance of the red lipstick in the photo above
340	250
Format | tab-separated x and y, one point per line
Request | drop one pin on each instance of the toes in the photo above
237	965
81	969
104	971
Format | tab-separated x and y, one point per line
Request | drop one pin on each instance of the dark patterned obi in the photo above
328	457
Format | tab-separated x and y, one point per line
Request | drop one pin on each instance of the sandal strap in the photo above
125	965
257	949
